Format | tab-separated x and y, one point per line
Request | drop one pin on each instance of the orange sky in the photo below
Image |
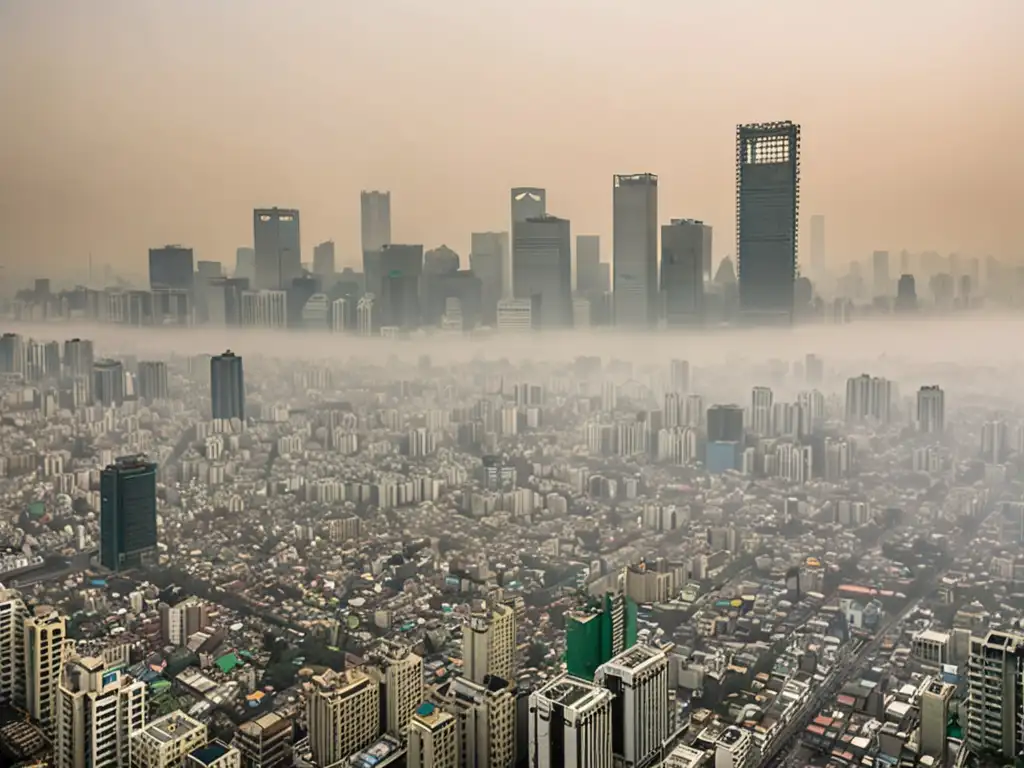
132	123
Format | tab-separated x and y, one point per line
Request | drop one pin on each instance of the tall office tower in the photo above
99	710
489	260
375	219
767	207
542	269
45	637
12	354
166	741
679	376
486	716
685	258
526	203
761	411
108	382
278	251
638	680
588	264
571	725
880	273
935	710
401	269
931	410
818	243
635	250
12	647
433	738
152	380
598	633
995	441
171	267
343	713
128	534
78	357
263	309
323	259
489	643
725	423
995	681
245	264
403	686
227	386
868	398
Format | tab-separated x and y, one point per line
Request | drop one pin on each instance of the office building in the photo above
152	380
486	717
725	423
266	741
45	636
12	647
323	259
767	207
263	309
588	264
542	269
128	535
433	738
931	410
570	725
343	714
936	702
869	399
638	680
78	357
375	220
245	264
818	243
227	386
598	633
734	748
99	711
278	254
489	643
880	273
12	354
685	257
165	742
403	686
526	203
108	383
490	260
341	315
995	682
401	268
635	250
171	267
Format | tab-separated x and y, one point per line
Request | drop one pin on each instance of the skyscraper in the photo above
685	252
375	219
595	634
152	380
401	268
526	203
128	535
570	725
767	206
761	411
725	424
638	679
227	386
489	643
343	712
817	243
78	357
171	267
12	354
635	250
880	273
931	410
108	382
542	268
245	264
278	252
433	738
323	259
868	398
588	264
45	635
489	260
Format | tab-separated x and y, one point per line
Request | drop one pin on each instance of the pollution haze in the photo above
128	125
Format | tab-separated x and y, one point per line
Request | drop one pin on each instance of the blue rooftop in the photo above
426	709
209	754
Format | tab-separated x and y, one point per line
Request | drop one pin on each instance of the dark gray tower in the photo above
128	534
108	382
684	245
152	380
227	386
542	269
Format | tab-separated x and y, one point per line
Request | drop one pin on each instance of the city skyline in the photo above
76	157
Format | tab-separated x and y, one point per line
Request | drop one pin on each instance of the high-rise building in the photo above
490	260
685	256
12	354
179	622
152	380
489	643
817	243
245	264
12	647
227	386
99	711
598	633
526	203
323	259
542	268
995	441
278	254
995	681
375	219
171	267
725	423
78	357
433	738
767	207
45	638
366	314
343	714
931	410
403	686
128	535
868	398
486	717
108	382
263	309
166	741
588	264
638	680
571	725
679	376
635	250
935	710
401	269
266	741
761	411
880	273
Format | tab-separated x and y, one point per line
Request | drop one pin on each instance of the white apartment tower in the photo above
641	713
489	643
264	309
12	647
761	411
869	399
931	410
343	712
403	686
99	710
45	635
364	314
166	741
433	738
570	725
339	313
995	680
486	720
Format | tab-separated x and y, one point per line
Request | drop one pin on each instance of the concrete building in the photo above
869	399
323	259
343	713
216	754
931	410
375	219
266	741
489	643
171	267
542	269
264	309
767	210
571	725
882	282
403	686
638	680
278	255
490	260
635	250
685	252
401	268
45	637
995	681
486	720
108	383
227	386
152	380
935	710
128	531
13	614
166	741
433	738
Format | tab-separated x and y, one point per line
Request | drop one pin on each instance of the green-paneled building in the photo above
597	633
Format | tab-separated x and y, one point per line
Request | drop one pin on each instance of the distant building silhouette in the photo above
685	249
171	267
227	386
278	253
635	250
542	268
128	535
906	294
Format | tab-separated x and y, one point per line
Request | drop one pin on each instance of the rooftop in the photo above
171	727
